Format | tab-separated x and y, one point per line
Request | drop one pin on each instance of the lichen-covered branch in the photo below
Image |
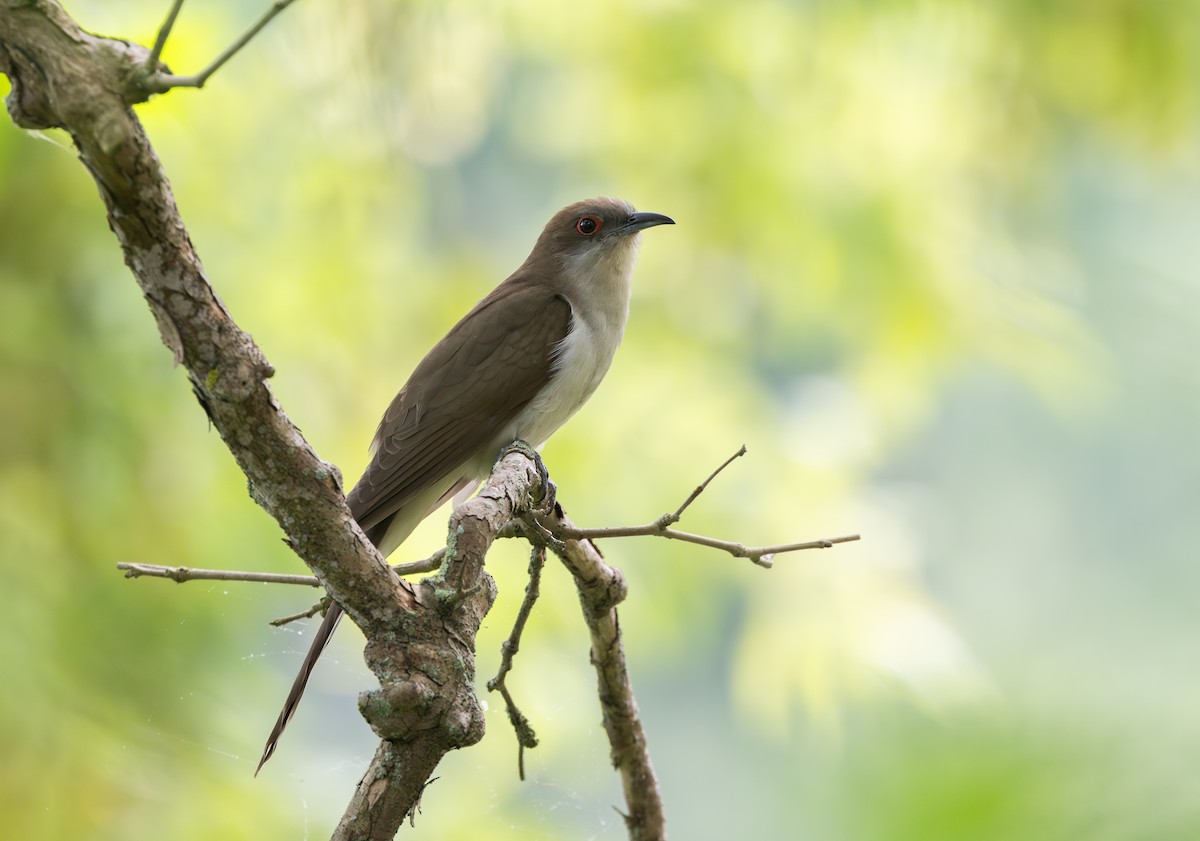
601	588
427	703
420	638
63	77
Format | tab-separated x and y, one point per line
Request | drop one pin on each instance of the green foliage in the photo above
934	265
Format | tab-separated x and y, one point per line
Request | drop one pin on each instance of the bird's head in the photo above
597	235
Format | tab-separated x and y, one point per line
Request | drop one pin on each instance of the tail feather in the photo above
386	534
324	632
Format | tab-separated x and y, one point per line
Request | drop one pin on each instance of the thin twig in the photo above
416	807
671	519
430	564
163	33
182	574
763	556
319	607
160	82
526	738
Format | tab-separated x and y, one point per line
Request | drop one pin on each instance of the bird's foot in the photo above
549	498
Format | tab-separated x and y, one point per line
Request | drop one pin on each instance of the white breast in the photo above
598	292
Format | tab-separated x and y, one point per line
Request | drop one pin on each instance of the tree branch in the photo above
671	519
420	637
763	556
319	607
601	588
182	574
164	32
63	77
153	80
433	673
526	738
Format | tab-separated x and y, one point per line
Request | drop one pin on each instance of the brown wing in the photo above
486	369
474	381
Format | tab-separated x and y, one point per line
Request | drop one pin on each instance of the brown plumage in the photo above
520	363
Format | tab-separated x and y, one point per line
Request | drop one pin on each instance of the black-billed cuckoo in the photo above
516	366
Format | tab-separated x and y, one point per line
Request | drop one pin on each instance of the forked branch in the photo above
763	556
526	738
65	78
155	80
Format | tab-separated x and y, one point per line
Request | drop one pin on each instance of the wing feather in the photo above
467	389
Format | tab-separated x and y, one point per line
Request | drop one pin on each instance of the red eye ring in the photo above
589	226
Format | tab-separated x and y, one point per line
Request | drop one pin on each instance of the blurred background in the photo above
935	265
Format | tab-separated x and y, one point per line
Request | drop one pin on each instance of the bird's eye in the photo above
588	225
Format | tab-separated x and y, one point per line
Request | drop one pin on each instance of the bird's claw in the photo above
549	490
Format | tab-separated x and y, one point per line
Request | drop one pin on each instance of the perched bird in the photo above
517	366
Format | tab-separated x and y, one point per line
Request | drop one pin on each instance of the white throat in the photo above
598	289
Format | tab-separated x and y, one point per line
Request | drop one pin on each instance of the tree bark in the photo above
420	638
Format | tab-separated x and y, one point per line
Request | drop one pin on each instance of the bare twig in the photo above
157	82
430	564
763	556
319	607
416	809
182	574
671	519
164	32
526	738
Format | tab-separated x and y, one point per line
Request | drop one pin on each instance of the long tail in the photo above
386	534
332	615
